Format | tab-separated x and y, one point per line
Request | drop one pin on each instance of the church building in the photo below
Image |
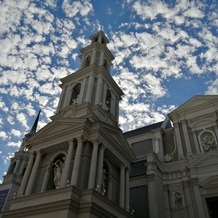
81	164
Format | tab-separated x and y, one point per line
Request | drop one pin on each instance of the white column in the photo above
127	189
67	164
93	60
26	175
178	141
101	59
22	166
113	109
92	171
100	166
99	91
198	200
122	186
33	173
77	161
66	96
45	181
100	39
186	136
81	94
17	166
90	89
152	196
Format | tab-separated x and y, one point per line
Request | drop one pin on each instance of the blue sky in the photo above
165	53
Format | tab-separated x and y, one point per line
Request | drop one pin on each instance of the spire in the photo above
34	127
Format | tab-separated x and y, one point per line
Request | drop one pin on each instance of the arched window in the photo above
87	61
75	92
105	180
56	172
108	100
96	39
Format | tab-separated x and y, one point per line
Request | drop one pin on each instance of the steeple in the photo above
79	162
92	86
34	127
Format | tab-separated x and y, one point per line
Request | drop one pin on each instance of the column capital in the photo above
194	181
80	139
70	141
31	154
96	142
122	166
102	147
39	152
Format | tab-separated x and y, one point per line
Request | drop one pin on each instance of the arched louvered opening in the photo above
56	169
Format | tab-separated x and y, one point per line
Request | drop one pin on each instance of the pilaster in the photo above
178	141
122	186
198	199
186	136
127	189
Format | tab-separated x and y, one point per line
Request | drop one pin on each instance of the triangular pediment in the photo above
207	159
56	129
197	101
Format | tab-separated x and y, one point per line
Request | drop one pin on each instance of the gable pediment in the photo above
114	137
56	129
195	105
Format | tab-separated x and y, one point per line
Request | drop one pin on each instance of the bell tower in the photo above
91	91
78	164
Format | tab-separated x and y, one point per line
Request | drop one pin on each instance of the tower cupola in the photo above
91	89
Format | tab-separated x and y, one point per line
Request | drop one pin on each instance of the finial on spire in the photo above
34	127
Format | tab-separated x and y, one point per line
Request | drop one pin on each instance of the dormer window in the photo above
75	93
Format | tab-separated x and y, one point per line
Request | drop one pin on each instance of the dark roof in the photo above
142	130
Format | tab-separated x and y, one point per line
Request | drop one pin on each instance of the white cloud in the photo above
3	106
3	135
83	8
14	144
212	88
15	132
21	118
10	119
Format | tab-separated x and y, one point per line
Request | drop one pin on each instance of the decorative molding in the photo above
199	122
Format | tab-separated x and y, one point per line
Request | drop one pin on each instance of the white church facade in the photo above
81	165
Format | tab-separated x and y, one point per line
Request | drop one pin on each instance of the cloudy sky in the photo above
165	52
